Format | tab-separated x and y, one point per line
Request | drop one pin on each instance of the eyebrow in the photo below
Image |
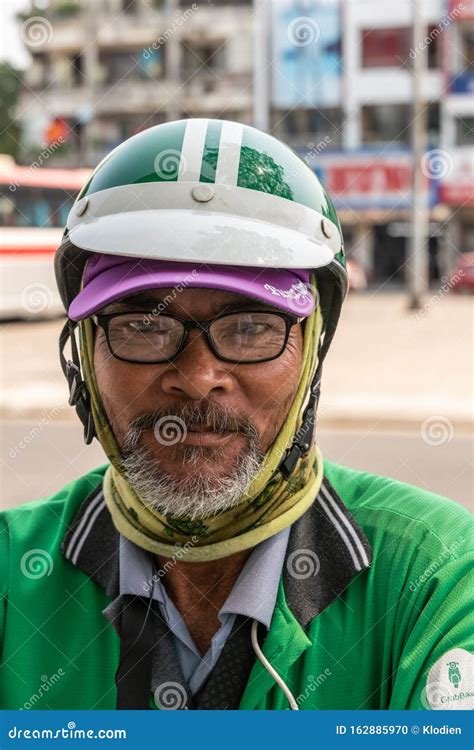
135	300
246	303
143	301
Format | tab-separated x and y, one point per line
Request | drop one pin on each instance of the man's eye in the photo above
140	325
248	329
143	325
251	329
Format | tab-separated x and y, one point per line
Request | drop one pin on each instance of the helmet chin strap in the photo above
78	393
303	439
80	399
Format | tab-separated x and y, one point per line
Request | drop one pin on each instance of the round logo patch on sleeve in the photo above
450	682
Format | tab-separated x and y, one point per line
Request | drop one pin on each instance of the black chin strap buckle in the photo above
303	439
78	394
73	375
79	397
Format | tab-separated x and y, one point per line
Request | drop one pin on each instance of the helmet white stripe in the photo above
161	199
227	170
192	150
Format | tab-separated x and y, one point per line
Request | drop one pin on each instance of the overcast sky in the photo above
11	46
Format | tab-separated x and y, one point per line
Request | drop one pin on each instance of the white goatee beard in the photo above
197	494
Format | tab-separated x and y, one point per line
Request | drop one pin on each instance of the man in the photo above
217	561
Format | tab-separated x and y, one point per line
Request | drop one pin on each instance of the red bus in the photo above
34	204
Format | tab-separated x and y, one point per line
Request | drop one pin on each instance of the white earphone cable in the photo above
271	671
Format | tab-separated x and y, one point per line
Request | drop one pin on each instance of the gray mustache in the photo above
206	413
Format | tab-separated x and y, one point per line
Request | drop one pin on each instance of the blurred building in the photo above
109	68
457	123
342	95
338	89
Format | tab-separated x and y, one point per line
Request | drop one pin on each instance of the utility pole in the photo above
261	58
87	114
173	59
417	259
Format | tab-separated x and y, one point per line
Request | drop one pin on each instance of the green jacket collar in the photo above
326	549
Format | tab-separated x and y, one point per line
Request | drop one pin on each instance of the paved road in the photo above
39	458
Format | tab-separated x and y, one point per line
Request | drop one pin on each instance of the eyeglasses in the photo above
238	337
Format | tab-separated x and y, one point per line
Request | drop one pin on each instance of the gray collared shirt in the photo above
253	595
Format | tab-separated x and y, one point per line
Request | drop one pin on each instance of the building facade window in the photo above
300	126
386	123
390	47
465	131
467	237
433	123
135	65
466	45
385	47
433	49
206	57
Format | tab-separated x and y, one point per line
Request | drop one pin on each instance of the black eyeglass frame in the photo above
103	321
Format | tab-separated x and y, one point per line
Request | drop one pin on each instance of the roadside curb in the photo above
387	423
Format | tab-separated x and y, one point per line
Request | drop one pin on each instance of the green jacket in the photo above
374	614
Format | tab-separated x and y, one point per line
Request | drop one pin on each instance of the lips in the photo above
204	435
201	428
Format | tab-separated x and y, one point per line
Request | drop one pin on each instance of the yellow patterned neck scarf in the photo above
270	505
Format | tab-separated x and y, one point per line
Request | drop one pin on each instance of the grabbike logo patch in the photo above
450	682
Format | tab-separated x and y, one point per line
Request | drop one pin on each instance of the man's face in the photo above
194	422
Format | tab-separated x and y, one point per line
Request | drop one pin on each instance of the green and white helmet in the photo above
207	191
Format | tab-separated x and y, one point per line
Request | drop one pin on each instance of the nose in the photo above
197	373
